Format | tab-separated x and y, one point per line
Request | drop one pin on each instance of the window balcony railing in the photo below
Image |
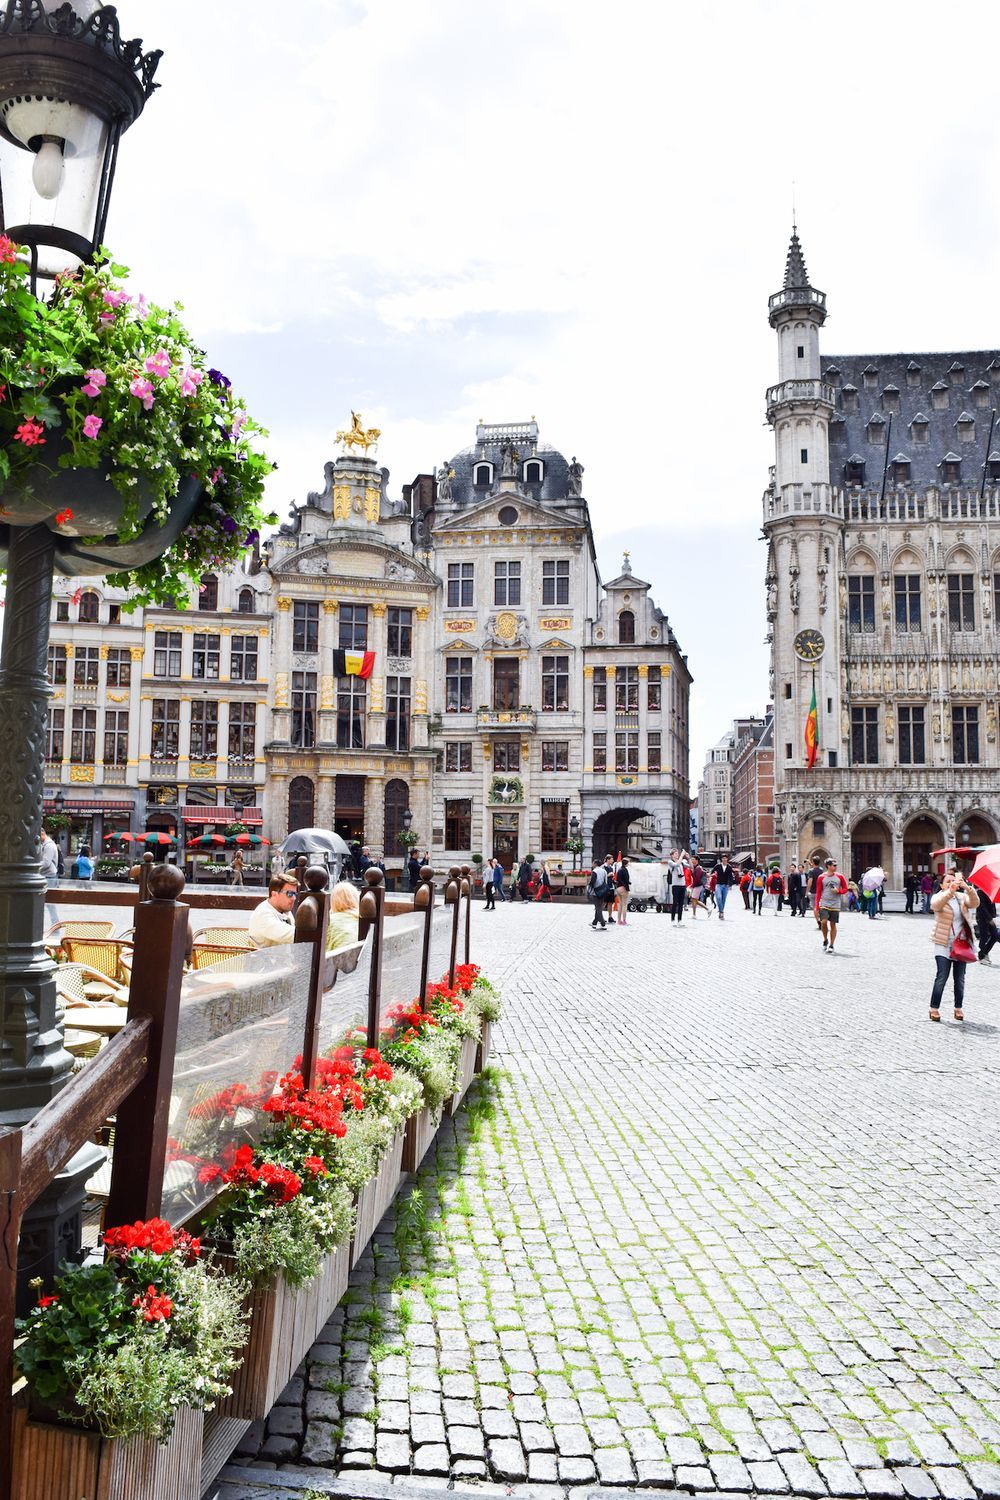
241	768
160	767
506	718
114	775
801	390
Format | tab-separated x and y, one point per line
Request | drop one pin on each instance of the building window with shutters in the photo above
83	737
965	735
601	751
555	684
555	825
205	657
243	658
861	603
397	720
352	699
166	728
304	710
457	756
458	685
55	734
204	731
305	626
400	632
242	730
627	750
555	581
458	823
555	755
116	737
86	666
864	735
911	735
600	690
119	667
167	653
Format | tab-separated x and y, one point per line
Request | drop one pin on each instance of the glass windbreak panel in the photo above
239	1030
439	960
402	956
345	998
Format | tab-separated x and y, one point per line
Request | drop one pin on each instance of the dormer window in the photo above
913	373
870	375
956	370
901	469
533	471
850	398
939	395
890	400
981	393
993	466
993	371
832	373
875	431
245	603
966	428
854	470
920	428
951	469
626	628
482	476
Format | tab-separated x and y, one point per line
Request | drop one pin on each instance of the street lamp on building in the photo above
407	821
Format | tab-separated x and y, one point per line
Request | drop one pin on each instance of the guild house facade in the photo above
883	584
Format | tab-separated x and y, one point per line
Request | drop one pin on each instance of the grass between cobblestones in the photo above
719	1220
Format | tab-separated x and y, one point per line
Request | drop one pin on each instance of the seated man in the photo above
271	922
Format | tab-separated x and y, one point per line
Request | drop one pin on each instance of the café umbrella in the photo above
986	871
249	838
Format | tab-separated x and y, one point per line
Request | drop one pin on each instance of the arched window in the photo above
397	800
208	595
245	604
482	475
533	471
89	607
626	628
301	803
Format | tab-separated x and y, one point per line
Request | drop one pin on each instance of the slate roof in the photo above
907	380
555	467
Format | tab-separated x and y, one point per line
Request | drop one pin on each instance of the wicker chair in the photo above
102	954
60	931
229	937
79	984
218	955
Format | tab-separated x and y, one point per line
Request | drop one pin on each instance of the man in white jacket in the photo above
50	858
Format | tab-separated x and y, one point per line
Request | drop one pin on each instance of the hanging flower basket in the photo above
117	436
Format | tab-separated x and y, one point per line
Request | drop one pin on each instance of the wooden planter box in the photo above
64	1463
466	1073
421	1129
284	1324
485	1045
376	1196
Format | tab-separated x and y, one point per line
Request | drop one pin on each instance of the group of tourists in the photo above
530	880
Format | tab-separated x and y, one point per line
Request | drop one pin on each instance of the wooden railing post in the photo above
10	1227
312	918
299	872
466	933
141	1126
423	900
372	916
145	866
452	896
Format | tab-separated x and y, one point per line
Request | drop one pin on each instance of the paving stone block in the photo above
768	1478
952	1483
881	1484
614	1465
543	1468
507	1460
466	1442
279	1448
918	1483
693	1477
392	1452
802	1477
730	1473
840	1477
536	1437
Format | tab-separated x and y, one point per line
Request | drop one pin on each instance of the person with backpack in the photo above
524	873
623	884
745	880
598	887
794	891
776	887
757	887
544	891
697	889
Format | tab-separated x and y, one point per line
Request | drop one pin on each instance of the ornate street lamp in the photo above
407	821
574	830
69	89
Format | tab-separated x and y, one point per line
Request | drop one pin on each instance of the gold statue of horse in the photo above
359	436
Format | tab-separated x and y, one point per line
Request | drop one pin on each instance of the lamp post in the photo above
69	89
407	821
574	830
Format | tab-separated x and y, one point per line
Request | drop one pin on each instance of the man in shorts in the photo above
831	888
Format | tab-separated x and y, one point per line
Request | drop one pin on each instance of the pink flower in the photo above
30	433
92	425
142	389
190	381
240	420
141	305
216	476
158	364
8	251
96	380
117	299
106	317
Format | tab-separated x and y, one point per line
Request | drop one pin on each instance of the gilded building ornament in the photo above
327	694
506	627
103	653
329	606
283	602
420	697
81	774
281	690
643	669
118	697
588	671
422	613
372	498
203	770
377	700
358	435
378	610
341	502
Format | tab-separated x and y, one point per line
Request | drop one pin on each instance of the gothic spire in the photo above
796	275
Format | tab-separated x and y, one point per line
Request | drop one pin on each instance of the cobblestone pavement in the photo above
727	1219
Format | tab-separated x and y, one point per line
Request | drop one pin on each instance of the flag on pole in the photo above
353	663
811	737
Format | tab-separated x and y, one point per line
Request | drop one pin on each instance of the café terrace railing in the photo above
187	1035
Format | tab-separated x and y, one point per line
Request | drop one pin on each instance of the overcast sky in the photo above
434	211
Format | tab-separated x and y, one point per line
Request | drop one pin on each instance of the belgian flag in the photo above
353	663
811	732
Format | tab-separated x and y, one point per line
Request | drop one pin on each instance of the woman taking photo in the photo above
953	939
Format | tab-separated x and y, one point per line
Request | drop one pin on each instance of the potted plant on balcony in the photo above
118	438
121	1361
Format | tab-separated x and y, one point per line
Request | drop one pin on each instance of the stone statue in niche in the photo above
444	478
793	592
395	569
772	596
575	476
822	589
991	721
842	592
509	461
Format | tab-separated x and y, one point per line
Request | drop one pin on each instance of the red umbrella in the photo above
250	838
986	871
207	840
158	838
